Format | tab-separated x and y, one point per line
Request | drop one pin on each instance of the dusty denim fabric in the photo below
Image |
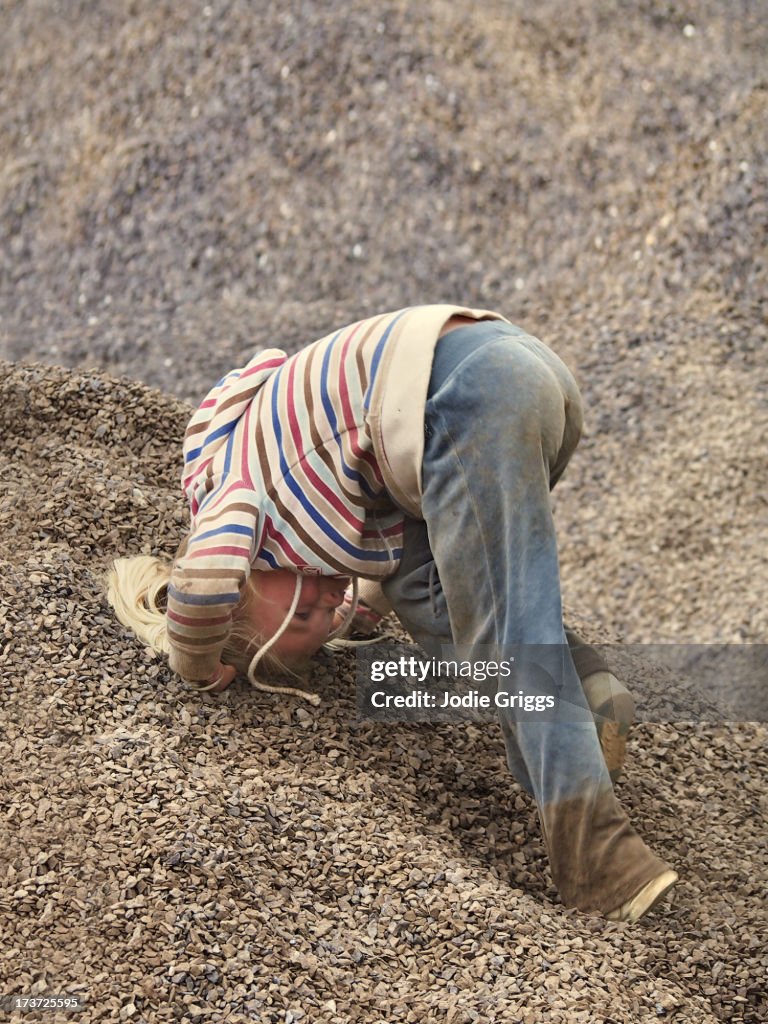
481	572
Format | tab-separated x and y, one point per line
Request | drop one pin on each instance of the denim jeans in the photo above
480	574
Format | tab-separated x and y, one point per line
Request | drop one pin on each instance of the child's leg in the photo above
416	592
500	425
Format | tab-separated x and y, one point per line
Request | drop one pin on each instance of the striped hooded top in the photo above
286	465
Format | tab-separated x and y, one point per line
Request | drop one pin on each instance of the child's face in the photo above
311	623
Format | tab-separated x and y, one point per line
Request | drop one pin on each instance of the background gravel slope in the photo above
183	183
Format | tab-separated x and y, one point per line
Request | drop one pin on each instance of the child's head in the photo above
270	597
284	617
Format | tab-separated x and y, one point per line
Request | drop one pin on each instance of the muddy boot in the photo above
613	709
645	900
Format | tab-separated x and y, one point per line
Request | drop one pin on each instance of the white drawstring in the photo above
336	640
313	698
342	627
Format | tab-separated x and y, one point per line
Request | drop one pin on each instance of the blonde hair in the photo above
136	589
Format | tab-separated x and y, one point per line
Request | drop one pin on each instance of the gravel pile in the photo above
172	856
181	184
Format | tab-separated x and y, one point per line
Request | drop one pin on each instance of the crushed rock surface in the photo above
182	184
175	856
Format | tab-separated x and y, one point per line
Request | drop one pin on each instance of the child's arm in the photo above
372	606
208	578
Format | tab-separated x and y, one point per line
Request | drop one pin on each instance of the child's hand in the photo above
223	676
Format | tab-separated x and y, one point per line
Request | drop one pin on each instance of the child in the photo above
414	451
